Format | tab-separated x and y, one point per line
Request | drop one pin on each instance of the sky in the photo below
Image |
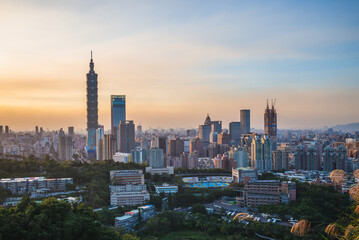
176	61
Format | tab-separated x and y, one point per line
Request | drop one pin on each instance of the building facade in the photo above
92	105
118	113
126	131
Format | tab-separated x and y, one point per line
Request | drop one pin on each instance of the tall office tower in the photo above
224	138
109	146
138	155
1	129
99	143
245	121
179	146
126	136
92	106
155	158
216	126
280	160
7	130
196	146
71	131
36	129
162	143
270	124
213	137
171	147
118	113
208	121
204	132
235	132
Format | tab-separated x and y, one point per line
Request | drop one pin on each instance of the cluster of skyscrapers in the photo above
99	145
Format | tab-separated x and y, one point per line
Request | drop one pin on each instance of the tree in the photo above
199	208
4	193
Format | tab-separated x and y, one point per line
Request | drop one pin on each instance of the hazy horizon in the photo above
176	61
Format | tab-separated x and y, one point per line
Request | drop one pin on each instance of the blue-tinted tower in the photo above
118	113
92	106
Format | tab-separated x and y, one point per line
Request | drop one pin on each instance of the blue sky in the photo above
178	60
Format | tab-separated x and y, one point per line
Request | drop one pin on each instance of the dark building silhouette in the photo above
126	132
270	124
245	121
92	106
235	131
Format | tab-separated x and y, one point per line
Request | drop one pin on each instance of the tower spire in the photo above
91	64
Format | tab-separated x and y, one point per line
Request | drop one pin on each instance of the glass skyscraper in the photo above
118	113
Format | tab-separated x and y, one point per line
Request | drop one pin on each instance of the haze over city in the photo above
177	61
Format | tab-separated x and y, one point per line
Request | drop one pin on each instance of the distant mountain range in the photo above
347	127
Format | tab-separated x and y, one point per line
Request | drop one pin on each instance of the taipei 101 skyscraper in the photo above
92	110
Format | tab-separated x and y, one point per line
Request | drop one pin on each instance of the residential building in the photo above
155	158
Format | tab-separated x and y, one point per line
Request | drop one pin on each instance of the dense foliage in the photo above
316	203
52	219
212	225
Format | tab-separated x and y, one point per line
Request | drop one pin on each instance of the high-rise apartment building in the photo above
334	158
280	160
245	121
109	146
126	132
118	113
99	143
138	155
64	146
92	106
240	157
307	158
155	158
270	124
261	153
196	146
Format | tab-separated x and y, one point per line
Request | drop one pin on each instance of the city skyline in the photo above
175	66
